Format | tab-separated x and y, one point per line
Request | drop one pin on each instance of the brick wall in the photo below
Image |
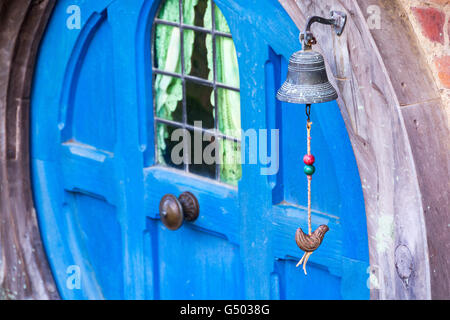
430	19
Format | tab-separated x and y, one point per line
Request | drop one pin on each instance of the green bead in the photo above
309	170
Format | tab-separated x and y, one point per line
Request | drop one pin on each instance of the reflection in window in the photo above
196	78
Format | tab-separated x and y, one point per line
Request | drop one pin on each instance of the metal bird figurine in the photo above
309	243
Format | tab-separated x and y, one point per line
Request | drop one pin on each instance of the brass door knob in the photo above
174	211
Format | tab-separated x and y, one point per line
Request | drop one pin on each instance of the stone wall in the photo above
431	22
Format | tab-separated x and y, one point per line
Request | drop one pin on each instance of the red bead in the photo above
309	159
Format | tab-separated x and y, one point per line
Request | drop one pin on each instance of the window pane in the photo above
229	102
169	98
230	162
198	61
226	62
164	135
167	47
170	11
197	13
203	161
199	106
221	23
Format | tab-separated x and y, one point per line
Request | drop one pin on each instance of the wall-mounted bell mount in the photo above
307	81
338	21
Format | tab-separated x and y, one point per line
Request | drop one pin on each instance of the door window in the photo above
196	91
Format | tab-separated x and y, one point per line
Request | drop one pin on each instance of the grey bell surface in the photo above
307	80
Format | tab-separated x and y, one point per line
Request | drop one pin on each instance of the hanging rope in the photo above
311	241
308	148
308	130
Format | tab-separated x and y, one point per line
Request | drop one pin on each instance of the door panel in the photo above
193	265
319	285
100	244
97	186
92	113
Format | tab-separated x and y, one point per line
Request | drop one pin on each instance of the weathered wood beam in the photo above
24	271
397	126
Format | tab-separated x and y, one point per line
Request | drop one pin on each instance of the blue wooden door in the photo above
97	183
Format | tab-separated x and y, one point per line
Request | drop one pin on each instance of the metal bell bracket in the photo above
338	21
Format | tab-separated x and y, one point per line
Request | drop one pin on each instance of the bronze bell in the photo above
307	81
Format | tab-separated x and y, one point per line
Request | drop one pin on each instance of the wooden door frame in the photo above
24	271
395	121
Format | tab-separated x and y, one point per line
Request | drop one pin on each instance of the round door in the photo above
164	168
